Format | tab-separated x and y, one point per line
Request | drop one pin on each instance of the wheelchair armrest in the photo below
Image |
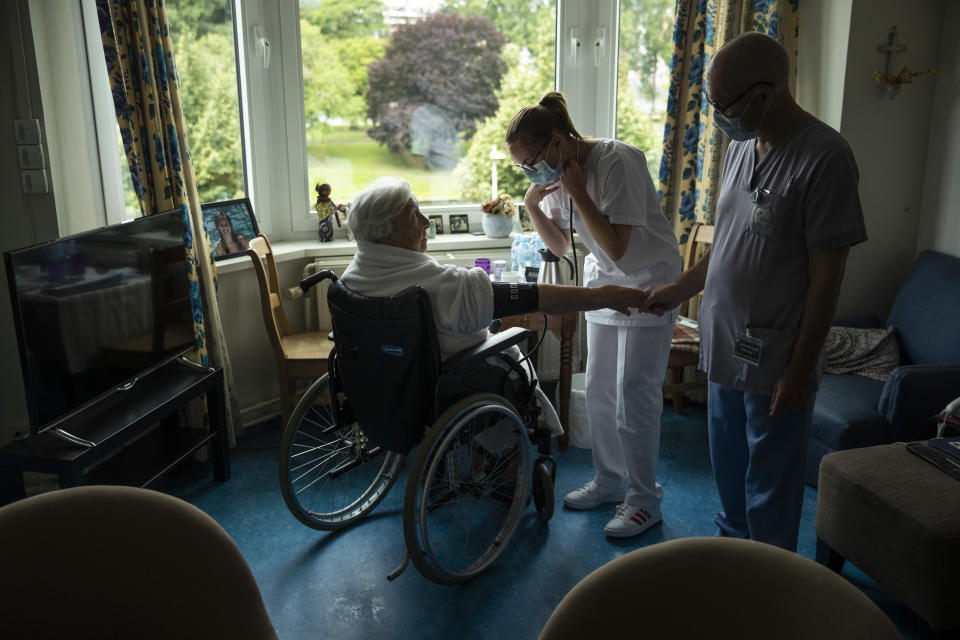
492	345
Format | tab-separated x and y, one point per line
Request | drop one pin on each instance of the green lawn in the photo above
348	160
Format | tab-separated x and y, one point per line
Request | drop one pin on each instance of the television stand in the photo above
69	437
133	432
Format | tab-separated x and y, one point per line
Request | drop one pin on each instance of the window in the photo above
418	89
643	75
203	43
279	97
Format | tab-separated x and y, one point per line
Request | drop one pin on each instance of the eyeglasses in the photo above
723	109
526	166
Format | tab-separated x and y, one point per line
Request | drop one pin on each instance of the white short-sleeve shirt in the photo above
620	185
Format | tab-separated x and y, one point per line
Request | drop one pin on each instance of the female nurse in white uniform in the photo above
603	186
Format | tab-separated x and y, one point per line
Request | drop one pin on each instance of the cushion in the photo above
845	414
923	309
685	338
873	353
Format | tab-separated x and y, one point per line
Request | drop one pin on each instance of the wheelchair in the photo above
387	392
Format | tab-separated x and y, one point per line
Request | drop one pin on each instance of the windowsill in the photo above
309	249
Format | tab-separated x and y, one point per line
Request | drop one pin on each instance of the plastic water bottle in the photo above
523	245
514	260
537	245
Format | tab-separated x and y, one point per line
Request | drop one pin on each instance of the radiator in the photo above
319	293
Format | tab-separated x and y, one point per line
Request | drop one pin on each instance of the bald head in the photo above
747	59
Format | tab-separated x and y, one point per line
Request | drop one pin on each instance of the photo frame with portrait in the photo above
438	221
459	223
230	224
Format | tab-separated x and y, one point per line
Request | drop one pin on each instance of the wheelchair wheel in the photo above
544	470
467	489
330	474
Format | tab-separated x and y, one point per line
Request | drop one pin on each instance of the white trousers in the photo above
625	372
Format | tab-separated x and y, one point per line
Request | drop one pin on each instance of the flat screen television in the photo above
96	310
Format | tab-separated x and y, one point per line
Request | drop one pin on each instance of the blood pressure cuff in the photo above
514	298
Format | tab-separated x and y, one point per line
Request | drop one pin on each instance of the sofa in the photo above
854	411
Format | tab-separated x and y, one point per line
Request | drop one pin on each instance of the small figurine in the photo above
325	211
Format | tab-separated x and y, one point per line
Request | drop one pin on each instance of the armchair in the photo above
853	411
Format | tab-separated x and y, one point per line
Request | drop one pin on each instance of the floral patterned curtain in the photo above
146	97
693	147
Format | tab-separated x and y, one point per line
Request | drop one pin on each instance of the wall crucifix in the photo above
892	79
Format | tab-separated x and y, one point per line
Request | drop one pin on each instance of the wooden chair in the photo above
299	355
685	346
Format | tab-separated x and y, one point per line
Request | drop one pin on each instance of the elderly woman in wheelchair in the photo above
415	366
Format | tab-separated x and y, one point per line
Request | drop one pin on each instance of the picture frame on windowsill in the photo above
230	224
459	223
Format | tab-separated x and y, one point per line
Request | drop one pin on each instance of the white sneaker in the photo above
631	520
591	495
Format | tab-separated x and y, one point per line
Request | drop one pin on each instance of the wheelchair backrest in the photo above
388	360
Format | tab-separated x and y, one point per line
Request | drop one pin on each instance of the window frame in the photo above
272	108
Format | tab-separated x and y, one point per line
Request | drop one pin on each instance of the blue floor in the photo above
333	585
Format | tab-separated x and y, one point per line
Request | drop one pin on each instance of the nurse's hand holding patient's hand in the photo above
661	299
620	299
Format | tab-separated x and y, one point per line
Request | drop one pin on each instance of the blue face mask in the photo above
733	127
544	174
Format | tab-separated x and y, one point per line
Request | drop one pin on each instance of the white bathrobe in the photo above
462	299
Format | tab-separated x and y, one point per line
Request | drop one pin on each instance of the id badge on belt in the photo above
747	348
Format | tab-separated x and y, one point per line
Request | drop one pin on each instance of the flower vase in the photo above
495	226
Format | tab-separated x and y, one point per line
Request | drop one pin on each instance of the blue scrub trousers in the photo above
758	463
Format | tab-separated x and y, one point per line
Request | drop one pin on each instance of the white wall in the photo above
940	203
824	35
889	140
839	42
26	219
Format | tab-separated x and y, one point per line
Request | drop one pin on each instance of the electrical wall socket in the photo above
34	181
27	131
30	156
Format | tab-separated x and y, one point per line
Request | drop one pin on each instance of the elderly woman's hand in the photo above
620	299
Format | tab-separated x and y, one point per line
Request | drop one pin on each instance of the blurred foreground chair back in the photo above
122	562
298	355
716	588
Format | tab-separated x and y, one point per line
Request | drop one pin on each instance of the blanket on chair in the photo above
873	353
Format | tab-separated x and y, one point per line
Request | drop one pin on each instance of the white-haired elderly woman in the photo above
391	235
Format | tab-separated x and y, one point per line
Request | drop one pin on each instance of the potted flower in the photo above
498	216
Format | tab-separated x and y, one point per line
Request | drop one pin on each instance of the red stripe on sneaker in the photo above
638	518
645	512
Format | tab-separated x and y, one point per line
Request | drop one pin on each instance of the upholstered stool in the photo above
897	518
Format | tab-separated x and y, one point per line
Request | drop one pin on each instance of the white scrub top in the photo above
620	186
757	282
